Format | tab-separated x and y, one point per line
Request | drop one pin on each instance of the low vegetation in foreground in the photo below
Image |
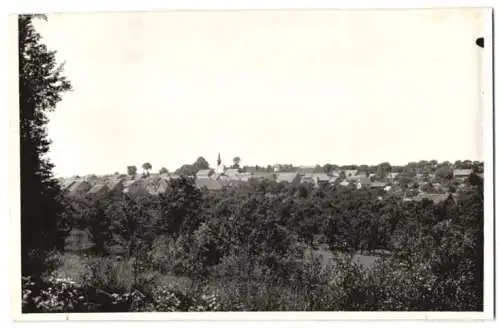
264	247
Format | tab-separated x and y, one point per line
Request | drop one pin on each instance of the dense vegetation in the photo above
260	246
265	246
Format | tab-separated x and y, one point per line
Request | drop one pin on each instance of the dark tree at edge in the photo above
40	88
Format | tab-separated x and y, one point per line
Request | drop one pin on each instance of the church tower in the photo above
220	168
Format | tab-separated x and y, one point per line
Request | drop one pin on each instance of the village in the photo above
418	187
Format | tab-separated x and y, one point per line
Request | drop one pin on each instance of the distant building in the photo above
290	177
308	178
436	198
304	170
462	173
210	184
335	173
115	186
270	176
393	175
345	183
349	173
321	178
134	188
205	174
66	183
232	173
244	176
98	190
79	188
363	182
378	184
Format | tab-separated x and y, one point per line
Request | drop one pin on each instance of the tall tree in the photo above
163	170
41	85
236	162
383	170
201	164
132	170
147	167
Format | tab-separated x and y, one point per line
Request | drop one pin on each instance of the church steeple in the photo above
219	168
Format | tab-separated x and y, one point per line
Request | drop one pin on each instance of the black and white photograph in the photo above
325	161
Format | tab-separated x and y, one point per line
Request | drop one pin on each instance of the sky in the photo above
289	87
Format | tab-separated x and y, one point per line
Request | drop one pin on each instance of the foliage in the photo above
147	167
132	170
41	85
191	169
267	246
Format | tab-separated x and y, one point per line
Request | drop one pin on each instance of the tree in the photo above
163	170
328	168
147	167
132	170
180	206
236	162
187	170
444	171
41	85
201	164
383	170
98	224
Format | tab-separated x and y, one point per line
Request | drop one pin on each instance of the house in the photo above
232	183
321	178
436	198
344	183
462	173
134	188
303	170
115	186
290	177
357	178
79	188
204	174
210	184
349	173
378	184
66	183
98	190
393	175
335	173
244	176
363	174
232	173
308	178
362	182
264	176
